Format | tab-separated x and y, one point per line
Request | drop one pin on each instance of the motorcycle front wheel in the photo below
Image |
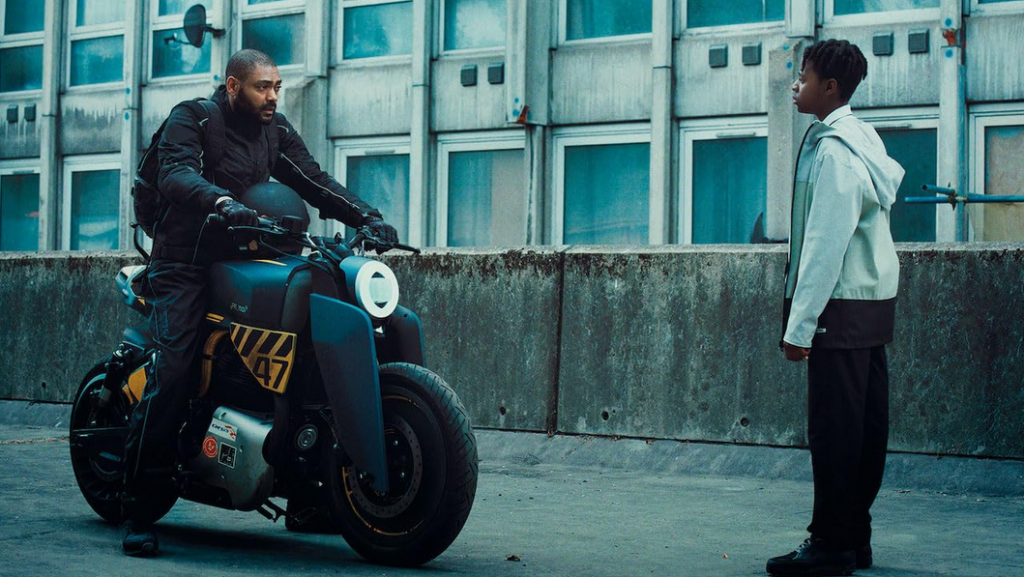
432	470
97	438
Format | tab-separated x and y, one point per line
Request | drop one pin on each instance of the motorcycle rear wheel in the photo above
432	469
99	473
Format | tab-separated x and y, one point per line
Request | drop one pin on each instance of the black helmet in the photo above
275	200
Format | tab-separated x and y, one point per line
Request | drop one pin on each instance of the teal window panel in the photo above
486	198
602	18
607	190
378	30
19	212
730	190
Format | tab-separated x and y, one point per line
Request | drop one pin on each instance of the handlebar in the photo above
272	226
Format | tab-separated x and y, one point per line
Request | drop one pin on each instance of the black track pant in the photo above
177	292
848	428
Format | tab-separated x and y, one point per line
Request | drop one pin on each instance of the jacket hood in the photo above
864	142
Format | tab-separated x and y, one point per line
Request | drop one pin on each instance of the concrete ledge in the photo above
663	342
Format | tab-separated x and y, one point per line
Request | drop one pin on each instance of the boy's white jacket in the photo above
841	248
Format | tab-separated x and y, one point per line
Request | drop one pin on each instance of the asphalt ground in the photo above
561	506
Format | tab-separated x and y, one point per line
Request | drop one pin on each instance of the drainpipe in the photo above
130	119
661	121
419	132
953	110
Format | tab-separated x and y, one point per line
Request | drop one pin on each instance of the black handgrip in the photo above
411	249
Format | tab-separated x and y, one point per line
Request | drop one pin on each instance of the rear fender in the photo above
344	346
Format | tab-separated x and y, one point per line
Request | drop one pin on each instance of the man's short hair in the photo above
840	60
243	62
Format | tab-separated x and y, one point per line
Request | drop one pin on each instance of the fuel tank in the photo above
267	293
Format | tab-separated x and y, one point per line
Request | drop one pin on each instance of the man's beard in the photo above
249	109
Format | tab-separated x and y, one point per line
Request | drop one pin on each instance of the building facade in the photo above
519	122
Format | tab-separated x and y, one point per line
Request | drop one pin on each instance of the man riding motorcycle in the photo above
183	245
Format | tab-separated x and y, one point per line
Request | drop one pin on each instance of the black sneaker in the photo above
864	557
138	541
813	558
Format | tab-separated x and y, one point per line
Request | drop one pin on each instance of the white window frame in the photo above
19	167
270	10
563	32
86	163
485	51
916	118
22	40
749	27
596	135
979	9
171	22
890	17
982	117
468	142
339	54
709	129
91	32
378	146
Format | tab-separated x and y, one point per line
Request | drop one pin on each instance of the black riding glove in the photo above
380	236
237	214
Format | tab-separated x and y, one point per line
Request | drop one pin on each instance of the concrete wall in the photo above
665	342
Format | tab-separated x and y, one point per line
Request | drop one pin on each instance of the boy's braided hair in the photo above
840	60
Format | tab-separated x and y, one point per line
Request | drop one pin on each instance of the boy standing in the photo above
840	304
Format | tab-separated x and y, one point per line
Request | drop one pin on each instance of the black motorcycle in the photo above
312	389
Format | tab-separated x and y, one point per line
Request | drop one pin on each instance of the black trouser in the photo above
848	428
177	293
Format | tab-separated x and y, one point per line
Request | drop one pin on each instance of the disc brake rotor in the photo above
405	473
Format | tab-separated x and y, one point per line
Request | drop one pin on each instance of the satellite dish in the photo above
196	28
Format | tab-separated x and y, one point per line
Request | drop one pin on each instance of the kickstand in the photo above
271	511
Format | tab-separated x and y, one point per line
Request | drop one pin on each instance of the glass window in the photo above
843	7
599	18
97	60
169	7
382	180
729	196
606	194
177	59
19	212
252	2
378	30
281	37
1003	175
94	12
474	24
486	198
916	150
94	209
21	68
713	13
23	16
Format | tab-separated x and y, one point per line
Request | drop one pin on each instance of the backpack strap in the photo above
214	139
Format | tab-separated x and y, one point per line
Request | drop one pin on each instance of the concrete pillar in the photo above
131	117
419	132
661	122
953	112
528	66
49	140
786	128
318	38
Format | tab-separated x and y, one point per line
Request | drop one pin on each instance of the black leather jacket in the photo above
192	189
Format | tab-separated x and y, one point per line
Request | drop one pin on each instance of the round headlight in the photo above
376	289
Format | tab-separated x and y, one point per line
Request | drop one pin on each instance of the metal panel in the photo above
735	89
370	101
458	107
20	139
902	79
91	121
601	82
994	71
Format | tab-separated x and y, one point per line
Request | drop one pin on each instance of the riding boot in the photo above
137	536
